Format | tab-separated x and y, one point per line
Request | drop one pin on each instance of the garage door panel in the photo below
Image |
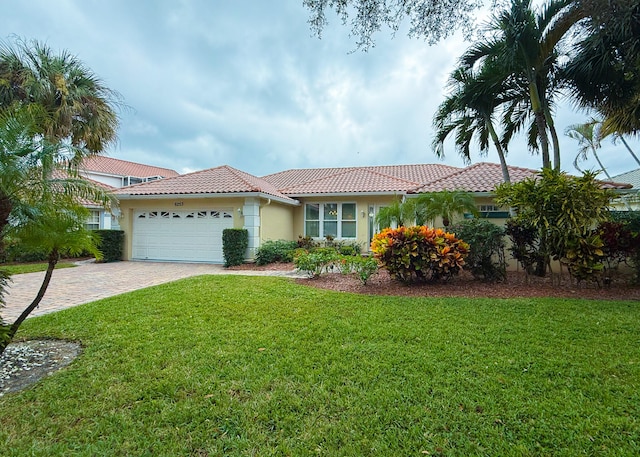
180	235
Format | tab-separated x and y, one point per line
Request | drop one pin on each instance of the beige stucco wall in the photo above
276	221
127	208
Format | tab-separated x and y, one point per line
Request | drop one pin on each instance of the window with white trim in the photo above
337	220
93	221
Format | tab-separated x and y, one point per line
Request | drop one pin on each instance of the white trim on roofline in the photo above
345	194
263	195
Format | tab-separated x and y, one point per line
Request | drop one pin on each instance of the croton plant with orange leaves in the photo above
419	253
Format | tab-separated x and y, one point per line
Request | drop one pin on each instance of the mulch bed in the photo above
464	285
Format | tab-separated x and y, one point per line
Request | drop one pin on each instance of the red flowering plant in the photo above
419	253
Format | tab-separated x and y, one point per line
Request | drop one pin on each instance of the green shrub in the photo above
525	246
621	243
234	246
419	253
316	262
110	244
486	248
275	251
363	267
584	256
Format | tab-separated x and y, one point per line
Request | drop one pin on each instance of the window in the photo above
93	221
337	220
488	208
490	212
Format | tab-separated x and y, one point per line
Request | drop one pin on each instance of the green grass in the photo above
247	366
20	268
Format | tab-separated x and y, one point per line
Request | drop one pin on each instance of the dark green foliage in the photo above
110	244
15	252
234	246
275	251
622	239
525	246
486	248
630	218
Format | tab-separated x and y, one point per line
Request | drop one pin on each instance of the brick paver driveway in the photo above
91	281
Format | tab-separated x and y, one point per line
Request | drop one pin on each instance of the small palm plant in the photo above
445	204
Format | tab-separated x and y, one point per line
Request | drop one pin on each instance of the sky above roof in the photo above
245	83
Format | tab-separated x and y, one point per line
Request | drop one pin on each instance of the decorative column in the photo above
251	213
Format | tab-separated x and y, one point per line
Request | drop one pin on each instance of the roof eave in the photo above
286	201
346	194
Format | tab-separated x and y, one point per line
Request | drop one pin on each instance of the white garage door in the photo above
194	236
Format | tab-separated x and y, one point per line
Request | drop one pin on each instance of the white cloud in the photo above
245	83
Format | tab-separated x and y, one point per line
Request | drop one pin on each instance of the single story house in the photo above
181	218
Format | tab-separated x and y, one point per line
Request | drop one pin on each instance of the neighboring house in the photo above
182	218
110	174
630	198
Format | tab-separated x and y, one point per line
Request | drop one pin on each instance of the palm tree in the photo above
53	227
445	204
604	72
468	111
524	45
588	138
72	103
399	213
32	168
40	190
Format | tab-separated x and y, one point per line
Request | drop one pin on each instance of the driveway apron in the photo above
91	281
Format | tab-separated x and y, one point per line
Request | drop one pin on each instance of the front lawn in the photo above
21	268
248	366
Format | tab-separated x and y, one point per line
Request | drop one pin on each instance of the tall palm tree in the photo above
469	111
47	100
524	44
445	204
73	103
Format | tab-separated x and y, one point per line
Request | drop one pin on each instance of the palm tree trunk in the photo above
629	149
53	260
503	160
606	173
556	143
536	106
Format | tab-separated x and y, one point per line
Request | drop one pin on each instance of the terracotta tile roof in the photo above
219	180
484	177
480	177
111	166
391	178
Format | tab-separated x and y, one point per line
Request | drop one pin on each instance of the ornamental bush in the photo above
486	248
275	251
419	253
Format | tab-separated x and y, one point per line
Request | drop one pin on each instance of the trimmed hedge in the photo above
110	244
234	245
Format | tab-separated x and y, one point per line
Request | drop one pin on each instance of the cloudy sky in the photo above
246	84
